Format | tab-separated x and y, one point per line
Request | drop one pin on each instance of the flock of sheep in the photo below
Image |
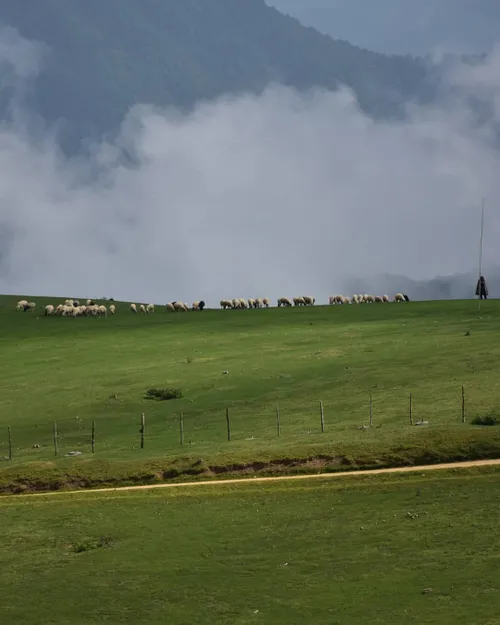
73	308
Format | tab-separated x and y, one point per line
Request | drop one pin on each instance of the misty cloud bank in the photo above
271	195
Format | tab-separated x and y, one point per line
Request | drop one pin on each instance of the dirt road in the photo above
282	478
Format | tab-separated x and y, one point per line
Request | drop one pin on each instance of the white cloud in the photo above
278	194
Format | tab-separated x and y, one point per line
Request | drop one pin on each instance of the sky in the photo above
254	196
417	27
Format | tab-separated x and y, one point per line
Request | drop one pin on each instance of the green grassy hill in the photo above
74	371
349	550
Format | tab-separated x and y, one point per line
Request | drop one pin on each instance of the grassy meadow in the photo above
348	550
77	370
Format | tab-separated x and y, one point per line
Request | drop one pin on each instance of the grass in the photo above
349	550
78	371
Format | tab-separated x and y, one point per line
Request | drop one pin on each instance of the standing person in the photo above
481	288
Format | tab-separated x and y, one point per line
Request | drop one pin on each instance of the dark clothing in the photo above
481	288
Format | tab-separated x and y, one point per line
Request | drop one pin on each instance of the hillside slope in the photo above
106	56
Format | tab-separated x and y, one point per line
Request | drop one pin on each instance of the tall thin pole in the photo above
481	249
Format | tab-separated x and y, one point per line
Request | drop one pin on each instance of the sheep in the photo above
49	309
309	301
142	309
133	308
112	309
385	298
21	304
102	310
258	302
170	307
150	308
243	303
399	297
201	305
284	301
226	303
251	303
180	306
369	299
266	302
407	299
235	303
299	301
90	302
378	299
68	302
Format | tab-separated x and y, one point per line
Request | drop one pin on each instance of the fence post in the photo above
143	429
181	426
463	404
55	439
278	424
411	414
93	437
228	425
10	443
371	411
322	416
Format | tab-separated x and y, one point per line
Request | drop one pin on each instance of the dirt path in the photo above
281	478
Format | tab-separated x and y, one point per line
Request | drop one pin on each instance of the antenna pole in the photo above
481	249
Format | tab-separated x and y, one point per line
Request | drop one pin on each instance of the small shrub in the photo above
163	394
90	544
189	360
485	420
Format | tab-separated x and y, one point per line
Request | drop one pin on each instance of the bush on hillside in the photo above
485	420
163	394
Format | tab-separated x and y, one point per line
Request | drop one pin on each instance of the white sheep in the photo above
259	302
378	299
21	304
399	297
284	301
102	311
251	303
266	302
385	298
226	303
243	303
150	308
49	309
31	306
180	306
112	309
170	307
142	309
309	300
299	301
133	308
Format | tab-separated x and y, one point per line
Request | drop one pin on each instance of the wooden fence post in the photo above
228	425
278	424
322	416
463	404
10	443
181	426
411	413
371	411
55	439
92	440
143	429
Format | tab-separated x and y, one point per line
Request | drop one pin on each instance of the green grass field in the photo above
75	371
343	551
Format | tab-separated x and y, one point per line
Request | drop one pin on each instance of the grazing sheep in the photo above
284	301
142	309
180	306
378	299
226	303
68	302
266	302
369	299
49	309
195	306
385	298
309	301
259	302
251	303
90	302
299	301
170	307
399	297
102	311
21	304
243	303
112	309
407	299
133	308
150	308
